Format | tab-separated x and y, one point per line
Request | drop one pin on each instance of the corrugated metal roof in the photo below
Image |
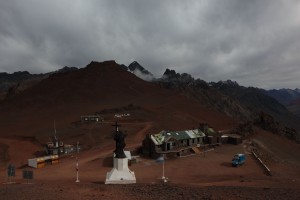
178	135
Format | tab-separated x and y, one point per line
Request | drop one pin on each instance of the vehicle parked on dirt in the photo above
238	160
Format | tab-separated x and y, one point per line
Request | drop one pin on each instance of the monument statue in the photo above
120	173
120	143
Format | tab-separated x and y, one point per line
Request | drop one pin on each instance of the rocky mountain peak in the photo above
171	75
140	71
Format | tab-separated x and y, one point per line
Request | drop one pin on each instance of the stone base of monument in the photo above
120	174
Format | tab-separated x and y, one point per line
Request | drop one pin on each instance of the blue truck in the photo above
238	160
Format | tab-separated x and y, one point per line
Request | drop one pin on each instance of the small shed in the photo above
68	149
224	139
212	137
234	139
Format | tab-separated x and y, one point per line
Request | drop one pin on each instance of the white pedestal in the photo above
120	174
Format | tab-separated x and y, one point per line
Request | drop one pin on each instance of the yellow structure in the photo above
43	161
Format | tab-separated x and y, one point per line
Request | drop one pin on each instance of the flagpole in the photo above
77	165
77	180
163	177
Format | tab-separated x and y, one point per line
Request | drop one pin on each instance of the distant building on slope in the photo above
91	119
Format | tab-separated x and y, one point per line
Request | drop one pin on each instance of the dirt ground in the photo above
200	176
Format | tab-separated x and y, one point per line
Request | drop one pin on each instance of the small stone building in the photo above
172	142
234	139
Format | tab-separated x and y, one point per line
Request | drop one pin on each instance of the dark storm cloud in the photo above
255	42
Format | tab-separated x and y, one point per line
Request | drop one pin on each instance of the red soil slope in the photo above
65	97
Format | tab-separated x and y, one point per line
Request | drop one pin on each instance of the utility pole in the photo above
163	173
77	165
163	165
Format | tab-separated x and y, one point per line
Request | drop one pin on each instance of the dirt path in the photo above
140	135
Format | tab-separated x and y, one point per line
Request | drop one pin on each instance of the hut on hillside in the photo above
91	119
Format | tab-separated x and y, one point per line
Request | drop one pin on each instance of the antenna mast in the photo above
54	129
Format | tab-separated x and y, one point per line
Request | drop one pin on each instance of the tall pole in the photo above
163	175
54	129
77	148
117	126
77	165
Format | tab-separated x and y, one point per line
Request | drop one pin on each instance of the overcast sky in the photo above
254	42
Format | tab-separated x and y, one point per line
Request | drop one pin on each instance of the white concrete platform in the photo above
120	173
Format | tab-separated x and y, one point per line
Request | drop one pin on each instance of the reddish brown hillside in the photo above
66	96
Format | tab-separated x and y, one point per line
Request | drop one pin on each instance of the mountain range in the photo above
287	97
30	102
